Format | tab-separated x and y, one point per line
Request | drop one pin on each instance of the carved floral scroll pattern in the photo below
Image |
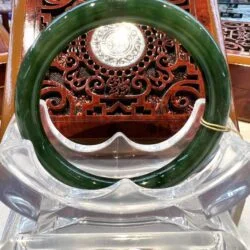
164	82
50	9
237	36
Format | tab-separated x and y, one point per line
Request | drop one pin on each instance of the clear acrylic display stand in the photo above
47	214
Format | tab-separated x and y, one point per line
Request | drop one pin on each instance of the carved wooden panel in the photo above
237	36
31	16
49	9
163	82
159	89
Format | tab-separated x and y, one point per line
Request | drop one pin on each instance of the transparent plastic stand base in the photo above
156	232
111	238
48	214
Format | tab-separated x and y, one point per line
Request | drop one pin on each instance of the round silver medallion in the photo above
118	45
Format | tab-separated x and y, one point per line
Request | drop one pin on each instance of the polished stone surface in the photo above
118	45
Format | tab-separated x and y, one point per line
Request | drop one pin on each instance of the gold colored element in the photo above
219	128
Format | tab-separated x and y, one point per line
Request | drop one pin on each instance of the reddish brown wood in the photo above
237	43
237	37
242	102
241	86
18	42
2	79
240	76
119	107
4	45
158	91
162	86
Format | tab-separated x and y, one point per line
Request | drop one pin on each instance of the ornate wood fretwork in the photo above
163	82
49	9
237	36
159	89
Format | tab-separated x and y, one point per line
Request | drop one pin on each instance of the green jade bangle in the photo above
92	14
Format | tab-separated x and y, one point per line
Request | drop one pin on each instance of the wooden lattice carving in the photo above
49	9
151	98
164	81
237	36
